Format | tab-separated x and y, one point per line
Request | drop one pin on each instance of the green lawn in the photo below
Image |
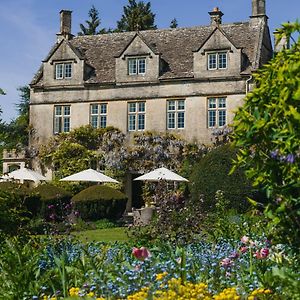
103	235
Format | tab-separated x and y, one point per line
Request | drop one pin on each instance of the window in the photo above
62	118
216	112
136	116
98	115
63	71
175	114
217	60
137	66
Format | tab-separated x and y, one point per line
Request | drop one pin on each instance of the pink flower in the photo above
141	253
226	262
234	255
245	239
263	253
243	249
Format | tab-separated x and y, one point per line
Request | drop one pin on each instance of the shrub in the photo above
51	195
212	174
99	201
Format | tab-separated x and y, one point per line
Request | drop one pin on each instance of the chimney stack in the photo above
65	25
258	8
280	43
216	16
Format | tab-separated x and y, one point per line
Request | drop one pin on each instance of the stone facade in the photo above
175	65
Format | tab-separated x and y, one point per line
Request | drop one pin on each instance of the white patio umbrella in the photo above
89	175
161	174
26	174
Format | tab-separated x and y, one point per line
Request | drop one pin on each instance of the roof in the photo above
176	47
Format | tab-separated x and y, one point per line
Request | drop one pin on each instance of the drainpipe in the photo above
247	83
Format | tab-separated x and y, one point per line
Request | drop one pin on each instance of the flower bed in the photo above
226	270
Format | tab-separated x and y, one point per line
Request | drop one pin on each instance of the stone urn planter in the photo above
143	216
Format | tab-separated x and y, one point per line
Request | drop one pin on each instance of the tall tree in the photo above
92	24
174	23
1	92
136	16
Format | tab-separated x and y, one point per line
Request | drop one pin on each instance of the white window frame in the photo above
175	113
63	70
100	115
62	119
216	112
136	120
134	66
218	65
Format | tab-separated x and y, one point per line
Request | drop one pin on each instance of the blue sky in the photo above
28	29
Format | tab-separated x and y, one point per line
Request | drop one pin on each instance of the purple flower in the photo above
226	262
290	158
274	154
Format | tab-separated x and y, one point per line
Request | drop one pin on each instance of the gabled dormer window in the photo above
137	66
217	60
63	70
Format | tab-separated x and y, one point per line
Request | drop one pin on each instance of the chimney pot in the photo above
216	16
258	8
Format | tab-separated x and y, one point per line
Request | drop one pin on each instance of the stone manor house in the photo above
188	81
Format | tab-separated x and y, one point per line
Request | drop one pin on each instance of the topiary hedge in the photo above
98	202
212	174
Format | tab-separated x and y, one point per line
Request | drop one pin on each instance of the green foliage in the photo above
136	16
98	202
92	24
2	92
19	269
266	129
13	215
212	174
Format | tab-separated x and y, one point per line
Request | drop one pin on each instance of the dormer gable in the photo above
137	62
217	56
64	65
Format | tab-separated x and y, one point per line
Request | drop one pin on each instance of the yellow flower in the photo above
160	276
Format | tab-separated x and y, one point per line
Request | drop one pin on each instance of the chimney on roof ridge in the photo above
258	8
65	25
216	16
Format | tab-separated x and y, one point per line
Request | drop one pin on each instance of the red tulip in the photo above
141	253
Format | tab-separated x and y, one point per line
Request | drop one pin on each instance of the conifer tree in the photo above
92	24
136	16
174	23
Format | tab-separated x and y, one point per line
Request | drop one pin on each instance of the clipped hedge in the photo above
212	174
98	202
51	195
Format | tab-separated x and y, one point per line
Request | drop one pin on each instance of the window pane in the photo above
212	61
222	60
222	102
132	107
171	105
211	118
141	122
171	120
131	122
103	122
212	103
58	110
66	124
103	108
67	110
57	125
59	71
132	66
222	118
142	66
94	109
94	121
180	105
141	106
68	70
180	123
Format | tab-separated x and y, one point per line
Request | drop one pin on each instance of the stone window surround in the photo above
62	120
66	70
134	116
177	113
217	55
218	107
101	115
136	59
